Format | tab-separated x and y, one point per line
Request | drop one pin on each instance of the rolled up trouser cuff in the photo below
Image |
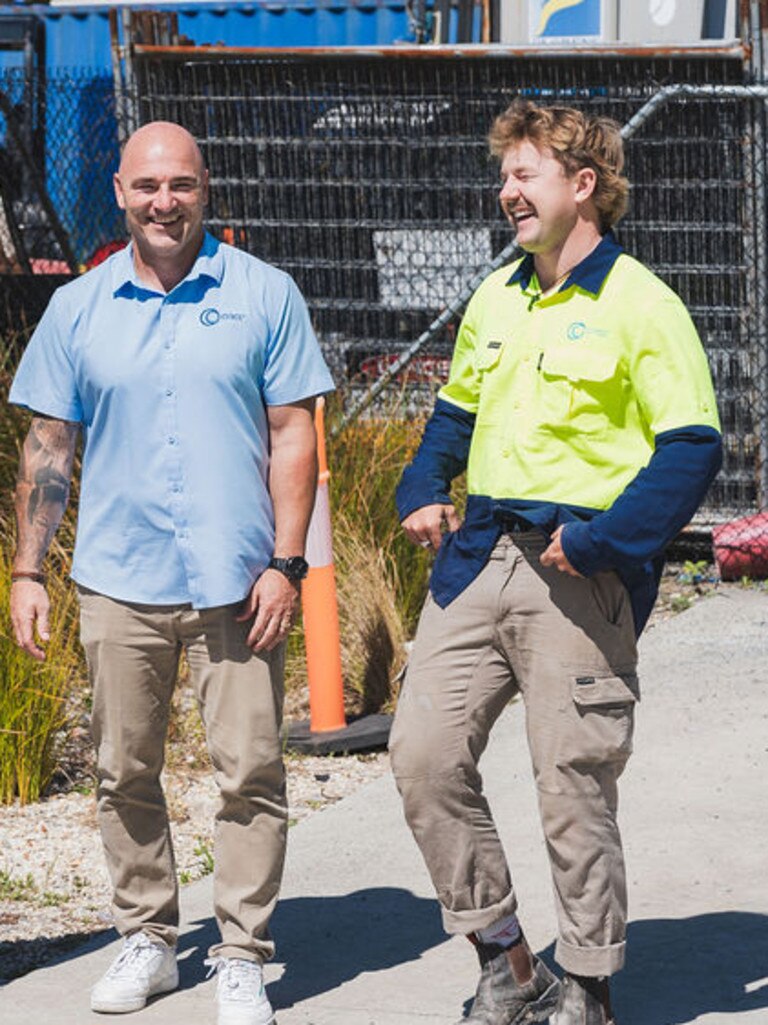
591	961
261	951
462	923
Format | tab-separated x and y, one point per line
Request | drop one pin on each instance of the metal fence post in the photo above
756	252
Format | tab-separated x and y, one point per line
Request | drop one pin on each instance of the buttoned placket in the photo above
177	495
527	359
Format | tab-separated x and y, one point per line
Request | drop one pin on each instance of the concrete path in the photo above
359	935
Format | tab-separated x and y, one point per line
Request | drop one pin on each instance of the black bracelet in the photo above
38	578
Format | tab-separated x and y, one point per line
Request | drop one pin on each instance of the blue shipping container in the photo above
78	36
79	123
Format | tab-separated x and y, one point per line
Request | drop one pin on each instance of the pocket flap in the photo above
605	690
578	364
488	353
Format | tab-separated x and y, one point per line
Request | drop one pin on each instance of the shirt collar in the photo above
209	263
588	275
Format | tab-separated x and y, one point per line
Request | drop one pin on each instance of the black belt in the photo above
509	526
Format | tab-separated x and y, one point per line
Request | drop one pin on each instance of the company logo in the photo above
210	317
578	329
574	18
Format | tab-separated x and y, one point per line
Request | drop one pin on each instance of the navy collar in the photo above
588	275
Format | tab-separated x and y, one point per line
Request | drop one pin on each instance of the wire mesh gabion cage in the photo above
369	180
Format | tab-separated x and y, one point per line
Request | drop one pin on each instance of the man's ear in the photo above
117	185
585	180
205	187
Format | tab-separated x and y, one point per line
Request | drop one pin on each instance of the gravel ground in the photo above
54	889
53	884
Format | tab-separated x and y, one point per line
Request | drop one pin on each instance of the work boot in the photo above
583	1001
515	988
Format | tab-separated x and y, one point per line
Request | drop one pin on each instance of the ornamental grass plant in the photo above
366	460
34	696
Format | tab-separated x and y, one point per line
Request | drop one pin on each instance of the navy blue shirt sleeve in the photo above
441	456
653	508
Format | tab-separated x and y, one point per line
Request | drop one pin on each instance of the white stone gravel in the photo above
53	880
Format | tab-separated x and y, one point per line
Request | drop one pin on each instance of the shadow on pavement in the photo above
326	941
18	957
679	969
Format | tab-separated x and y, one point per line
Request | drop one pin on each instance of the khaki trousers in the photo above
567	646
133	655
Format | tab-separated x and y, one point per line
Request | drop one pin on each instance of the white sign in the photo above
426	270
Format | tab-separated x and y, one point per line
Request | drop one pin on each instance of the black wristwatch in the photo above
294	567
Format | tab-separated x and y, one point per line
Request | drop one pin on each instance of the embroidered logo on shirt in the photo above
210	317
577	329
494	345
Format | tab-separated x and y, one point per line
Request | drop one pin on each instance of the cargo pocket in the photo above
605	706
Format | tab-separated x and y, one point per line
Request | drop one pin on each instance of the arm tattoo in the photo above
42	487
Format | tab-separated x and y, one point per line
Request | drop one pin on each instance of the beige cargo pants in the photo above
567	646
133	655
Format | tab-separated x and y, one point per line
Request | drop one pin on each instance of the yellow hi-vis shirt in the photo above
569	391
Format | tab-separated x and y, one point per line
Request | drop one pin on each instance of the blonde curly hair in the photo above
576	141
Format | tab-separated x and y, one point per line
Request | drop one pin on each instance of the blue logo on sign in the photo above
568	18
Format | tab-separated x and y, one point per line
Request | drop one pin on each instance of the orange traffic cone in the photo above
327	731
320	607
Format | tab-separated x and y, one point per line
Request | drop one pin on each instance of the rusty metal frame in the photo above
740	51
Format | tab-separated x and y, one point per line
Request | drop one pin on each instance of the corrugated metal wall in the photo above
78	37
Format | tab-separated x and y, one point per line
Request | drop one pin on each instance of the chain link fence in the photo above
368	179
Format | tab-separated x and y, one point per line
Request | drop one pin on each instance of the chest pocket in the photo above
579	388
488	355
487	359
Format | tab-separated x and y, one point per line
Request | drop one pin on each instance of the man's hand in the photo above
553	555
425	526
30	608
272	605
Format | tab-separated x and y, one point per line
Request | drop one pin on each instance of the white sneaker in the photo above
240	992
142	969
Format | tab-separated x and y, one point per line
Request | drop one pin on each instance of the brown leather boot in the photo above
583	1001
515	987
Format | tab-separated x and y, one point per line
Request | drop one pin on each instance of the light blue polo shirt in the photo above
171	391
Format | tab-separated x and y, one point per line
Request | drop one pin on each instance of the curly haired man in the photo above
580	404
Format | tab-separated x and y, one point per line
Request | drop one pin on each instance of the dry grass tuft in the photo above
373	645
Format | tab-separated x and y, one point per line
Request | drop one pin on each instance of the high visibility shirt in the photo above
592	408
569	391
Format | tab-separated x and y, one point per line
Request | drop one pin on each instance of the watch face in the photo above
296	568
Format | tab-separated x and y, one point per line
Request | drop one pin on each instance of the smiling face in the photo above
539	200
162	186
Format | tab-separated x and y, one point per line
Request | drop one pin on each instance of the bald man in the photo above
190	370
